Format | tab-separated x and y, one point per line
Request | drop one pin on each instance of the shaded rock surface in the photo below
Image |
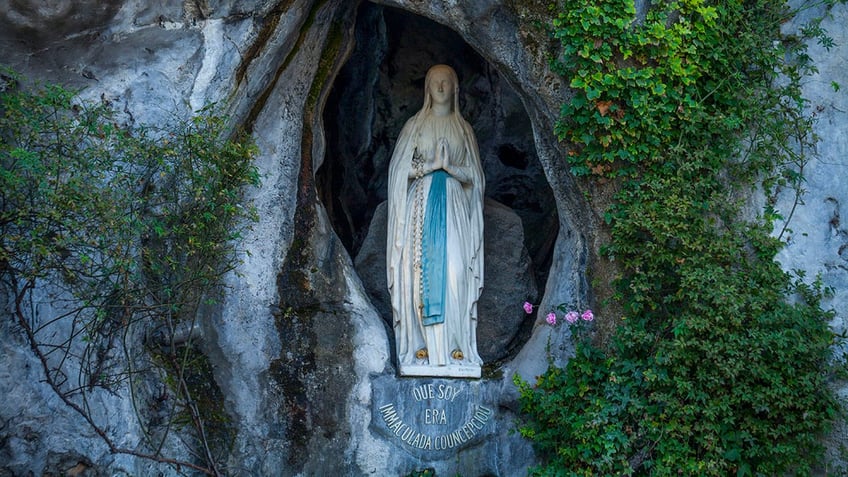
816	233
297	345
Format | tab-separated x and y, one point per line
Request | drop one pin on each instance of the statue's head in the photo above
441	86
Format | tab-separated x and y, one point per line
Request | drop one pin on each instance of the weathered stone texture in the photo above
816	233
298	343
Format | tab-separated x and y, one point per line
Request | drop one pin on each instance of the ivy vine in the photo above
719	365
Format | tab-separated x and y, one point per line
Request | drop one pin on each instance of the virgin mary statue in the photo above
434	251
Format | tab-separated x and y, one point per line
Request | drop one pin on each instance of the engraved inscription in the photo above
435	416
444	392
448	440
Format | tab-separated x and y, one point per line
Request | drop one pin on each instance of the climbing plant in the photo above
719	365
112	241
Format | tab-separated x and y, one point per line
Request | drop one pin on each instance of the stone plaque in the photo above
431	418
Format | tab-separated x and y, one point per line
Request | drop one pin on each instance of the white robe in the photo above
464	223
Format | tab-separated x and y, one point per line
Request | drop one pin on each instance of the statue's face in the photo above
441	87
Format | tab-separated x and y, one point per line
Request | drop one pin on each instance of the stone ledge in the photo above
449	371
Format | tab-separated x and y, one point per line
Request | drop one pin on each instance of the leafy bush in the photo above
719	365
132	229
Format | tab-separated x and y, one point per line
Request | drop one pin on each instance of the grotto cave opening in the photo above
377	90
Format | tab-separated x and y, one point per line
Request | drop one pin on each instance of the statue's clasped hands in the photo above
442	160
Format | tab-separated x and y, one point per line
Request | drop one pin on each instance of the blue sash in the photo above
434	251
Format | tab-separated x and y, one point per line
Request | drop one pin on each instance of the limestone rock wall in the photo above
816	231
298	348
154	61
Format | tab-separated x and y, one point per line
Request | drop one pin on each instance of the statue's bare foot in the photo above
421	353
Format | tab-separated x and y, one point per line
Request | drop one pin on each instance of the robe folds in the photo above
435	308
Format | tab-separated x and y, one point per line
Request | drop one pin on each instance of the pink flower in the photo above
528	307
551	318
588	315
571	316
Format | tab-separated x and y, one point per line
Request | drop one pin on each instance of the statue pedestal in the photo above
449	371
